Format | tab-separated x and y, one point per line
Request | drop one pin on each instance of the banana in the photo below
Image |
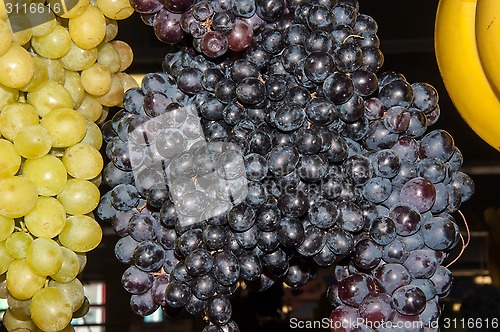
488	39
462	71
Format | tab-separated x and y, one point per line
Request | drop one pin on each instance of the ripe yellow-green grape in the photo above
20	308
111	30
46	16
20	37
96	80
40	77
79	197
16	67
50	97
93	136
22	282
66	126
33	142
13	323
10	160
70	266
83	310
5	37
53	45
3	11
81	233
17	244
5	258
73	291
50	309
7	96
6	227
78	8
104	116
82	259
126	53
73	83
55	69
47	219
115	9
88	29
115	94
78	59
44	256
16	116
97	181
128	81
3	287
83	161
108	57
18	195
47	173
90	108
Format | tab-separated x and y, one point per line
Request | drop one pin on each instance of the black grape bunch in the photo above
212	27
291	155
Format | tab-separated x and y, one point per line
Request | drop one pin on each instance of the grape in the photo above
50	309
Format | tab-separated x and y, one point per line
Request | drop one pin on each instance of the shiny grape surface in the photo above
272	145
58	80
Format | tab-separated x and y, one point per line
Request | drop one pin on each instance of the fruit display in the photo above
262	163
60	72
465	34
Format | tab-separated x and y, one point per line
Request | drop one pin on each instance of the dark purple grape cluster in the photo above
289	156
213	27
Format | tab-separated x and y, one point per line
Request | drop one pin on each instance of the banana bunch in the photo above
467	45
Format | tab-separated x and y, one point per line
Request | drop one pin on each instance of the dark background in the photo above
406	32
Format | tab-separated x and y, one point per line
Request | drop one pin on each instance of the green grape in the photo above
97	182
47	173
90	108
50	309
53	45
79	197
47	219
111	30
18	195
5	37
82	259
73	292
126	53
115	9
77	9
17	244
44	256
83	310
23	283
81	233
88	29
16	67
40	78
7	95
51	96
70	266
108	57
93	136
66	126
33	142
10	161
115	94
12	323
73	83
55	69
50	23
78	59
5	258
6	227
20	308
83	161
16	116
96	80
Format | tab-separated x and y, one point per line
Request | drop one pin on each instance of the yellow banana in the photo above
462	71
488	39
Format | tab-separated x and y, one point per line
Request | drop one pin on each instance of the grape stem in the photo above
464	243
352	36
